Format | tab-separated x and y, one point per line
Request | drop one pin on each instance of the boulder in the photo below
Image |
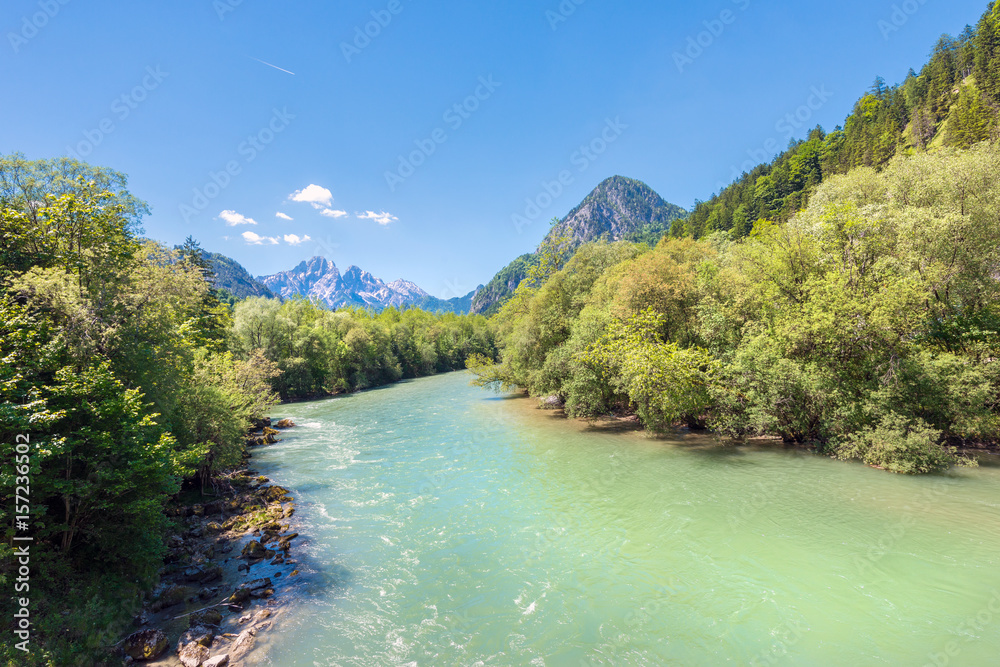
145	644
274	493
242	644
206	617
213	527
240	596
285	423
173	595
256	584
260	424
217	661
193	655
198	634
210	574
551	402
253	549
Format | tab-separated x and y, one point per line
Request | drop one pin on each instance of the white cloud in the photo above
232	218
293	239
283	216
382	218
254	239
330	213
314	195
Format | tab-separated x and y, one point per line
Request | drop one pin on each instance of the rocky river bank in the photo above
223	576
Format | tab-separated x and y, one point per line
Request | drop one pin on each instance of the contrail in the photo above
270	65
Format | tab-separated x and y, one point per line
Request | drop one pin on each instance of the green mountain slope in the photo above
952	102
232	277
618	209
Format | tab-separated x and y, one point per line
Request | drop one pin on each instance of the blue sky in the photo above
408	151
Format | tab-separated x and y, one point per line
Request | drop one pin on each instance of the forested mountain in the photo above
619	209
229	275
320	278
867	326
954	100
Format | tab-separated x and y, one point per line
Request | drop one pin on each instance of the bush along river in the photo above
443	525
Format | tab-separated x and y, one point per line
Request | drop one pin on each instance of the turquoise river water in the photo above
444	525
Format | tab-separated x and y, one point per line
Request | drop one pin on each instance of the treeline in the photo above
953	101
131	378
867	326
320	352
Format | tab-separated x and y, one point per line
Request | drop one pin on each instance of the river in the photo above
444	525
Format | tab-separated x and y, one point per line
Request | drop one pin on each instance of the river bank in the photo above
630	421
225	574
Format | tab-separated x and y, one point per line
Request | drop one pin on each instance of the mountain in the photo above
232	277
321	279
619	209
953	102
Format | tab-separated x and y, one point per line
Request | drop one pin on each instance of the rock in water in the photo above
193	655
145	644
199	634
217	661
242	644
254	549
285	423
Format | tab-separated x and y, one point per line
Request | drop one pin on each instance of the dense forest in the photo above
846	296
953	101
132	377
868	325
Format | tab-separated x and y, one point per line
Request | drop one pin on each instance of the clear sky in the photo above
227	112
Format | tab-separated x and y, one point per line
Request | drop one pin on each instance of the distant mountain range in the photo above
619	209
320	278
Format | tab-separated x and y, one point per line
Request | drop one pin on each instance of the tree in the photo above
972	119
